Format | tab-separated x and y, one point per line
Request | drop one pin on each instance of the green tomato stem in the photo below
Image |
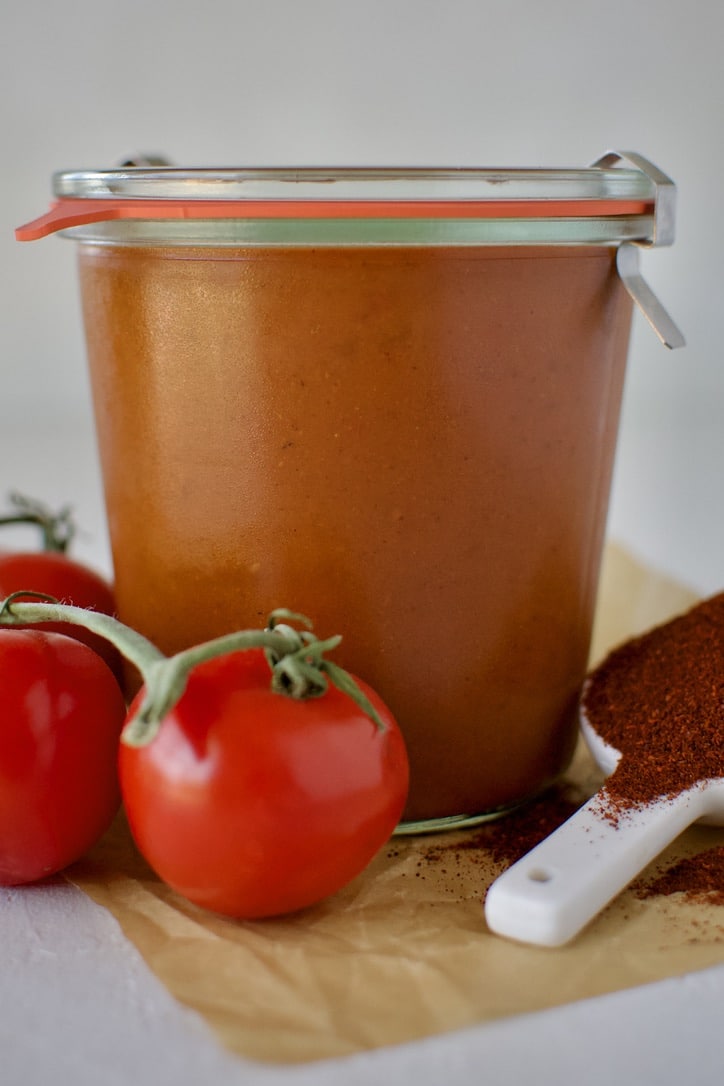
296	658
298	670
57	529
21	609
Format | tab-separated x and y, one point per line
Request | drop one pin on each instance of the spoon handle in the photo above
549	895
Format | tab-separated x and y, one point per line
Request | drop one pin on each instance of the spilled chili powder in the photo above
699	878
659	700
510	838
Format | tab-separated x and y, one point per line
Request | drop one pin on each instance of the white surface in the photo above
464	82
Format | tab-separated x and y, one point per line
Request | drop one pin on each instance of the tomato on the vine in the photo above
253	803
258	776
62	713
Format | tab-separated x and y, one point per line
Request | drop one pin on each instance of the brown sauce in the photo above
413	446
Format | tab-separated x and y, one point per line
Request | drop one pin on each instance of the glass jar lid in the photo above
620	198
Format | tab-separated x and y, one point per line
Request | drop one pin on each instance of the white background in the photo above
376	82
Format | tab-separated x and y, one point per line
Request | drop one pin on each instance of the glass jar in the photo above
387	399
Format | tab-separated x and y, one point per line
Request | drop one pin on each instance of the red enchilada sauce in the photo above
413	446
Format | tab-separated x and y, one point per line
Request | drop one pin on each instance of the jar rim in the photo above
623	189
313	184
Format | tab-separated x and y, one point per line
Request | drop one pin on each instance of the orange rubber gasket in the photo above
68	212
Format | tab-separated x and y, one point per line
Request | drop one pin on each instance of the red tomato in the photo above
62	713
252	803
69	581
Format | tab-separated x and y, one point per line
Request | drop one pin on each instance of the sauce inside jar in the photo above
411	445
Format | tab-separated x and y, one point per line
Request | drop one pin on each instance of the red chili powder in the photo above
699	878
659	700
513	836
510	838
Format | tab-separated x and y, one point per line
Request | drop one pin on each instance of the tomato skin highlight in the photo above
252	803
57	575
61	713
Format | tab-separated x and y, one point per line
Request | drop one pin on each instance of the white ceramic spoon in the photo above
550	894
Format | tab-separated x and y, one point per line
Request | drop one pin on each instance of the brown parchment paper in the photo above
403	952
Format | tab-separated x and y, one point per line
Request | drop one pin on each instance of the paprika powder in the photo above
659	700
699	878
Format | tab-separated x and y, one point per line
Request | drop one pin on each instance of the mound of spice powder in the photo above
659	700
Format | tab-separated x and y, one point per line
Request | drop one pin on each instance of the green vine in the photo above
298	665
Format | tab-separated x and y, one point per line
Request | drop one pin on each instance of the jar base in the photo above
452	822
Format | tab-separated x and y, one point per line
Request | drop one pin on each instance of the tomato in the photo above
57	575
253	803
62	713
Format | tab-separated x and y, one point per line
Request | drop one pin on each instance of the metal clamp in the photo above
664	193
627	265
627	257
